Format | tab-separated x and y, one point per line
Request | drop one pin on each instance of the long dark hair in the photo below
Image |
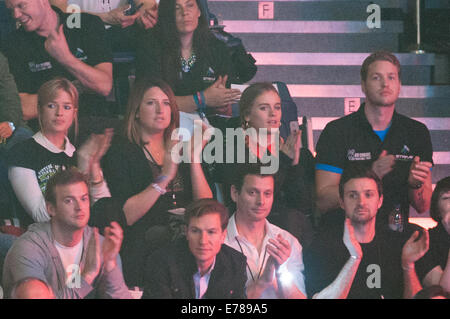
170	40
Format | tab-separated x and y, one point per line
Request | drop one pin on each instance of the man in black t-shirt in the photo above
50	43
378	264
397	148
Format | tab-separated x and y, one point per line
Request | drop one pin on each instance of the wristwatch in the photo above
11	125
417	186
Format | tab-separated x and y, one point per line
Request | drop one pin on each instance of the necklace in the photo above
186	64
158	154
248	266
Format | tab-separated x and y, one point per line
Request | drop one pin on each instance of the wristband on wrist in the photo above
199	99
11	125
409	267
159	189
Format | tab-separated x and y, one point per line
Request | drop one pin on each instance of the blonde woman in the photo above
33	161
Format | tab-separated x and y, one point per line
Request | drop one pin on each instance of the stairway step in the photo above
407	91
345	43
298	10
318	58
417	75
301	27
429	107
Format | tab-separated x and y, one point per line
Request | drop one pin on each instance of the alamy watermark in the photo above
230	148
374	19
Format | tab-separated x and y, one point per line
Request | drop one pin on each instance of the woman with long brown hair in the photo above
181	50
144	177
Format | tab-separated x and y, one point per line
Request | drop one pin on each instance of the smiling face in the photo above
382	85
187	14
71	208
58	114
361	200
254	200
265	111
154	111
205	237
29	13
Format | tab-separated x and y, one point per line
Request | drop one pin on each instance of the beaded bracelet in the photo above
159	189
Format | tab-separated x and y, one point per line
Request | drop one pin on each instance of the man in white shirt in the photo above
274	256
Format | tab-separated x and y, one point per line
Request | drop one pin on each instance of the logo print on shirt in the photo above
36	67
80	55
353	156
404	154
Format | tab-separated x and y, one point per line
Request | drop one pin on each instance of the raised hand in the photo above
419	172
5	130
93	263
118	17
91	152
56	45
292	146
280	250
350	241
111	245
384	164
171	158
197	143
415	249
149	14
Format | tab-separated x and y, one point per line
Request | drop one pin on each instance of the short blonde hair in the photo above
48	92
132	126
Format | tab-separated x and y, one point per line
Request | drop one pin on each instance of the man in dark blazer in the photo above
200	266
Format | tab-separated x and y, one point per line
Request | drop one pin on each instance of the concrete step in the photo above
319	58
439	139
384	3
330	43
305	10
334	68
428	107
417	75
301	27
407	91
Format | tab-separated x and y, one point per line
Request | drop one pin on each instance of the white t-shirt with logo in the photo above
70	256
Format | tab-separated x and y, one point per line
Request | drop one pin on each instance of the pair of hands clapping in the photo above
414	248
418	173
91	152
174	150
107	251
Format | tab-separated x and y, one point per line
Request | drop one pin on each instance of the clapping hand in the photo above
384	164
91	152
419	172
292	146
111	245
415	249
350	241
